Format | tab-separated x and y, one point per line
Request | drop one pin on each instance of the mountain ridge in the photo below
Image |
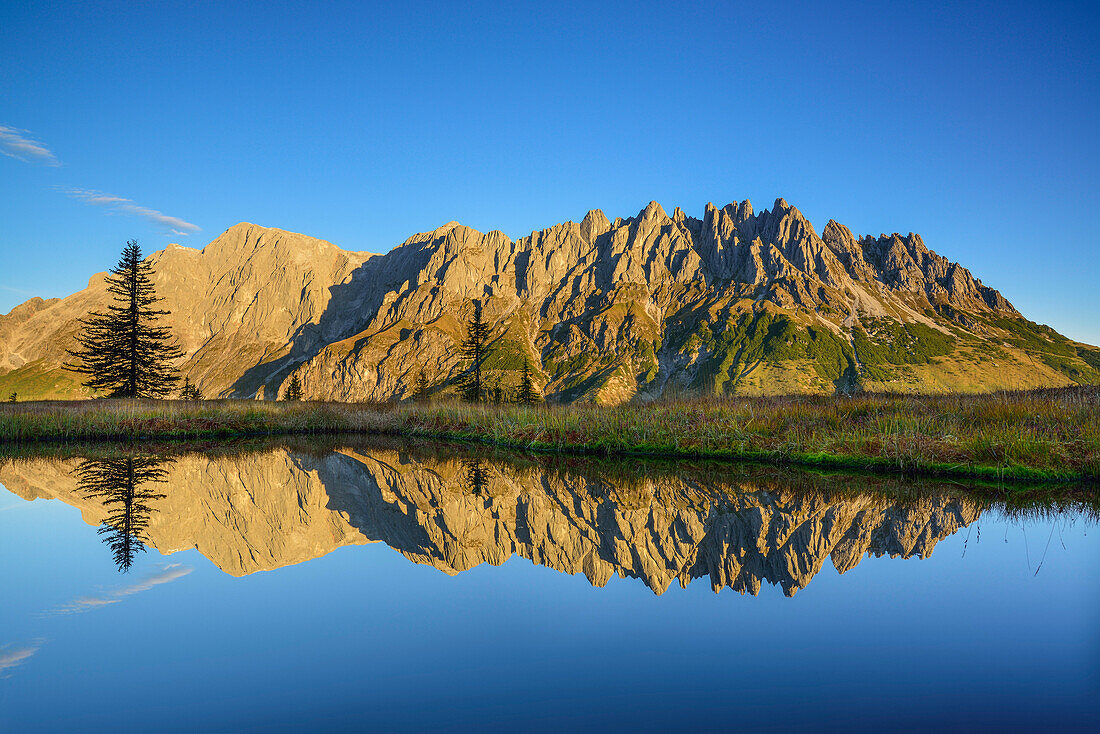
735	302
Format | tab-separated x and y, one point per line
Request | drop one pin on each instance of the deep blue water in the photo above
998	628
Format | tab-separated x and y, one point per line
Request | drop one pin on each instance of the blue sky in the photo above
361	124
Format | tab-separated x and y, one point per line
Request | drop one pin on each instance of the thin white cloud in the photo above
20	291
83	604
92	197
122	205
14	143
171	572
17	143
10	658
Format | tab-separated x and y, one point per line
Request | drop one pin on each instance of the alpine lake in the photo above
350	584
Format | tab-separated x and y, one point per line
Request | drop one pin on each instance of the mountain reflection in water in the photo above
251	509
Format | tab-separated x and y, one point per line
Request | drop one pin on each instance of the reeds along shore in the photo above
1043	434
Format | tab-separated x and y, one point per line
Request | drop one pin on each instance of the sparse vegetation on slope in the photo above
1044	434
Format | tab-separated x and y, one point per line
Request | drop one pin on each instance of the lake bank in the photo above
1044	435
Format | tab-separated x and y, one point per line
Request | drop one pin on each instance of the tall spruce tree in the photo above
527	394
474	349
122	351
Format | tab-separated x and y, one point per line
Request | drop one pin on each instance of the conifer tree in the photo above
294	388
474	349
190	391
527	394
122	351
13	398
420	395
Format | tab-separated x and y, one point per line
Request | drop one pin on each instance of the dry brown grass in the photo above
1044	434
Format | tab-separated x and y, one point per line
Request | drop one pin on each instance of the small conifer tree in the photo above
14	397
190	391
420	395
474	349
293	388
527	394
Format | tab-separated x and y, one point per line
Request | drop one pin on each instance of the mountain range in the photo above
656	305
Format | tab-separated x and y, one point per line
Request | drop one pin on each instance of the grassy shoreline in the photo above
1043	435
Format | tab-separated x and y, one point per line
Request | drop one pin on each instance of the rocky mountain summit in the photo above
265	510
605	311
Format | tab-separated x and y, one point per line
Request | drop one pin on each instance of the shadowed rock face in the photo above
737	301
260	511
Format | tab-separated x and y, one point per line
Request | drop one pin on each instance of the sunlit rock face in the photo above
236	308
738	301
259	511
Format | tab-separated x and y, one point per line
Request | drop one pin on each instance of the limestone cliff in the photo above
738	301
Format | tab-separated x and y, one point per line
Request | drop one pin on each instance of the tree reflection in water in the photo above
121	485
477	475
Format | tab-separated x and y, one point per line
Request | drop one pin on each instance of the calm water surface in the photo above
360	586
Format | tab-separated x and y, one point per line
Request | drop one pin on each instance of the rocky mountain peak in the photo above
653	210
838	237
594	224
741	212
